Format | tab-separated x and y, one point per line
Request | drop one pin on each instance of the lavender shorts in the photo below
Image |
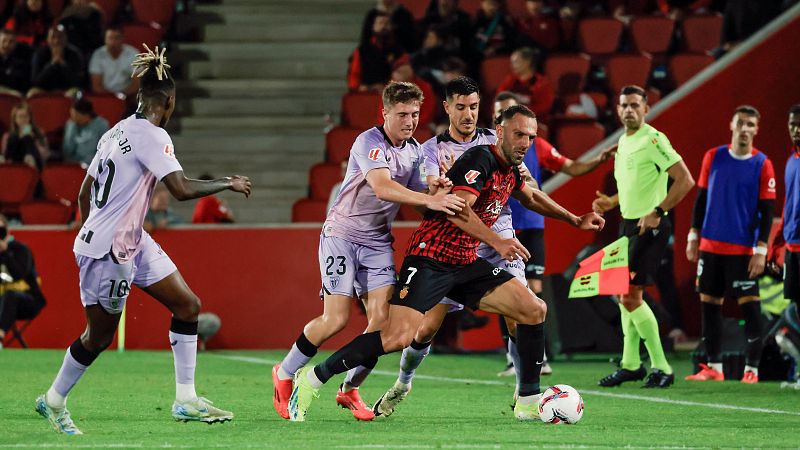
105	282
352	269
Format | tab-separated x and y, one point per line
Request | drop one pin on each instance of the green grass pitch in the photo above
458	402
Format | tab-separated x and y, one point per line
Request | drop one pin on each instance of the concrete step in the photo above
246	210
313	123
281	32
259	88
243	163
223	141
259	51
308	105
308	69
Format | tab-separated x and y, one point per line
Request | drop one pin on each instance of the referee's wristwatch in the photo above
660	211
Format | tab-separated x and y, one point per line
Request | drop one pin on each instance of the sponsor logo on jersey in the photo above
471	176
374	153
495	207
169	150
771	185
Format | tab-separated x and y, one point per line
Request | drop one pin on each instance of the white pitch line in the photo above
645	398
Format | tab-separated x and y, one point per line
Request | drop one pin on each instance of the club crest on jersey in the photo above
471	176
375	153
403	292
169	150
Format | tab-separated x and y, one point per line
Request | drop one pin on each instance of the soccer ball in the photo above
561	404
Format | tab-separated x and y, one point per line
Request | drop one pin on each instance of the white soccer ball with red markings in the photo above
561	404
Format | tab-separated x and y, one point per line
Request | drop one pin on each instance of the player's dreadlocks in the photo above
152	69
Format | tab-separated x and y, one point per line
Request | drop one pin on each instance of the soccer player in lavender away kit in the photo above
113	252
355	251
731	222
442	261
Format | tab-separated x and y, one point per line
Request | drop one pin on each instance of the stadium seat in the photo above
360	109
599	36
158	11
45	213
623	69
338	142
110	9
309	210
684	66
567	72
575	138
702	33
17	182
321	179
652	34
62	182
108	106
50	113
7	103
137	34
493	71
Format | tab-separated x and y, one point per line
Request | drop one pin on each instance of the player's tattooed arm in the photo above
470	223
183	188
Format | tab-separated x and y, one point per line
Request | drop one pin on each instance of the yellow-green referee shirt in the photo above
640	168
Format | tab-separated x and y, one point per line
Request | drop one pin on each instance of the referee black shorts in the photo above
645	252
533	240
423	282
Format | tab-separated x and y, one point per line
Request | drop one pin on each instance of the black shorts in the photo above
645	252
533	240
423	282
721	275
791	276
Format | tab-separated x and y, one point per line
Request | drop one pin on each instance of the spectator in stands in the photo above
20	295
532	88
401	23
15	67
82	132
742	18
538	27
30	22
427	62
494	31
160	215
24	142
455	24
211	209
83	22
110	66
371	63
57	66
402	71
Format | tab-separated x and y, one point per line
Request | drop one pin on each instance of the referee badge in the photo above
403	292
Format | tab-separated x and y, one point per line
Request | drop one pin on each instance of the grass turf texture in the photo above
124	401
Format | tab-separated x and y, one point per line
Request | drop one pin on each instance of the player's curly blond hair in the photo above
154	59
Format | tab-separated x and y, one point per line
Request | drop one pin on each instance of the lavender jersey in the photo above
443	147
357	215
131	158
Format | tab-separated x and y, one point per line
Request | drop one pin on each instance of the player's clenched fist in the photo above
591	221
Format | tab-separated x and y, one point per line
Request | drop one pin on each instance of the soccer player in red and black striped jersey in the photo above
442	261
731	222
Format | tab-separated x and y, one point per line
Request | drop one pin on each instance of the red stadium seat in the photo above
575	138
684	66
415	7
567	72
108	106
137	34
652	34
7	103
321	179
158	11
62	182
493	71
51	112
338	143
308	210
110	9
45	213
622	70
17	182
360	109
702	33
599	36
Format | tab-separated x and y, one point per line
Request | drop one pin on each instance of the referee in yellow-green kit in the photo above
645	160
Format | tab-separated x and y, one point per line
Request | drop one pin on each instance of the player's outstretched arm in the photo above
575	168
538	201
388	190
470	223
183	188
